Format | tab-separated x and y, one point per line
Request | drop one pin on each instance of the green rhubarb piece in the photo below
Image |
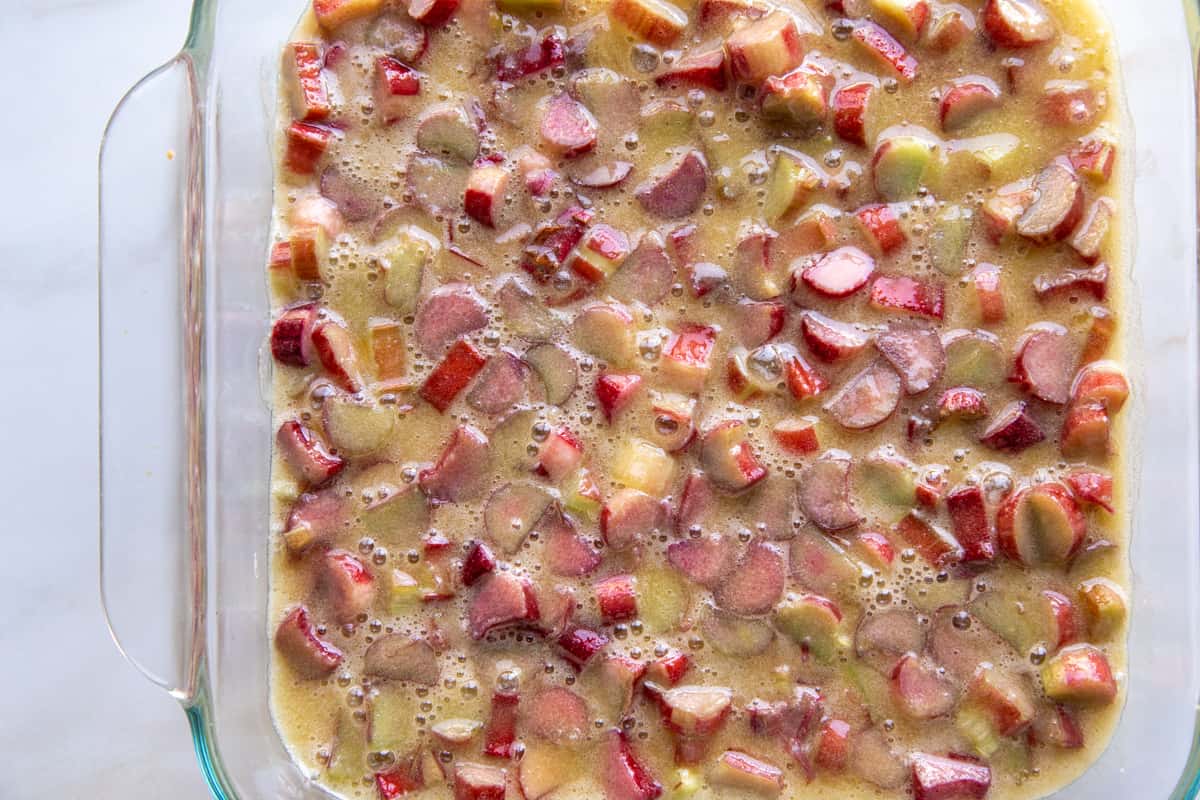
874	688
1104	605
404	592
792	182
888	480
348	755
394	719
814	622
581	496
973	358
900	165
975	724
663	599
413	251
948	240
1015	617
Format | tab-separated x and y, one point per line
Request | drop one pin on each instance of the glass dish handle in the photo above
152	579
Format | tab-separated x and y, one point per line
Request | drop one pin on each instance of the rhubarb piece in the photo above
931	542
303	70
1073	282
461	469
664	599
616	597
306	454
485	193
646	275
399	657
316	517
545	768
615	393
741	771
1044	362
655	21
969	522
839	273
882	227
332	14
1066	104
447	380
707	560
668	670
729	459
557	715
705	69
335	350
800	98
695	711
900	164
677	188
447	314
557	369
629	517
901	293
797	436
851	110
1092	487
906	18
618	675
874	548
962	402
309	250
567	128
949	778
566	554
1057	725
918	689
1013	429
396	85
697	502
1086	430
388	350
502	599
794	178
642	466
1004	697
502	385
291	342
1101	382
599	254
580	645
606	330
833	745
400	35
479	782
545	53
414	250
1057	205
560	455
432	13
965	100
756	583
950	28
916	354
889	634
1017	23
1040	524
348	585
824	492
887	52
867	399
673	427
500	733
1104	606
687	356
624	776
1005	207
354	428
297	642
831	340
512	512
306	144
988	294
1090	236
1094	157
766	47
478	562
974	358
447	131
814	623
1079	674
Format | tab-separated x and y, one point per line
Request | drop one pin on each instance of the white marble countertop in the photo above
77	721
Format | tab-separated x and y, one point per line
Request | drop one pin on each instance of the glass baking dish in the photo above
185	190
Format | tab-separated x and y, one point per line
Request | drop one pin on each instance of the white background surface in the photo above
76	721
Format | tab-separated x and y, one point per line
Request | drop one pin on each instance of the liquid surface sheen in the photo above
706	400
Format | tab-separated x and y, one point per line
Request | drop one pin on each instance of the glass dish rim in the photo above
196	700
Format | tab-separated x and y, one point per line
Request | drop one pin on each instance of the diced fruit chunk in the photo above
485	193
625	777
867	399
1040	524
882	227
332	14
452	374
883	47
728	457
1079	674
308	655
1105	607
306	144
395	86
766	47
304	64
656	21
949	778
642	466
739	770
1013	429
900	165
567	126
1017	23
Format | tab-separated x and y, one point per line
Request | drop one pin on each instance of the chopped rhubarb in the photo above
766	47
451	376
305	74
308	655
656	21
883	47
882	227
901	293
306	144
